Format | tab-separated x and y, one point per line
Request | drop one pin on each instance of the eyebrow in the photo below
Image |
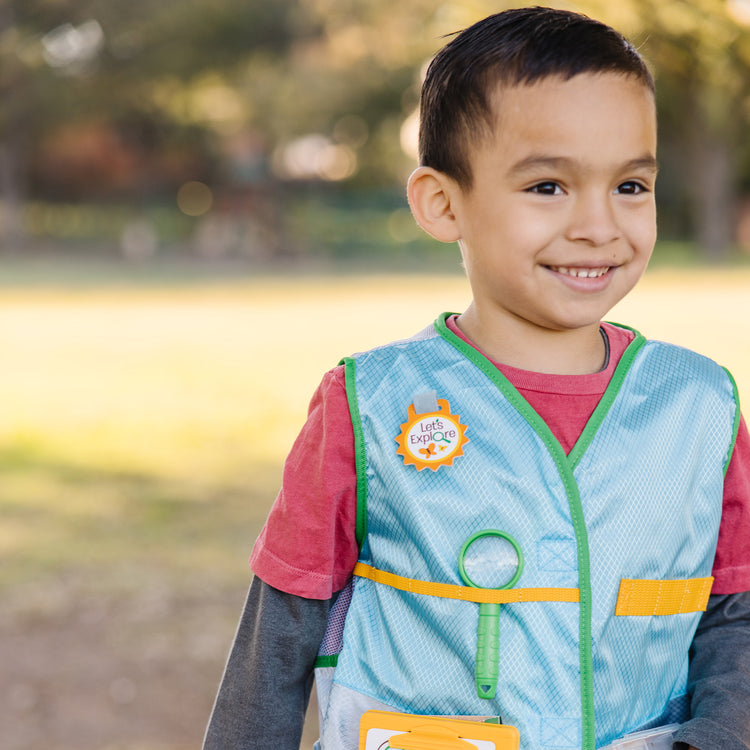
539	161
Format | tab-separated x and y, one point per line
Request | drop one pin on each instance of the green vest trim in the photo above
321	662
737	416
350	378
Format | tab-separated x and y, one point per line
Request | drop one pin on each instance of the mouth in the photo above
581	273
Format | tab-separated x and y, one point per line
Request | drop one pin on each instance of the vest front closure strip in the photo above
565	466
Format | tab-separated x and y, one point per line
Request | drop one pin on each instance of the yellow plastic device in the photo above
383	730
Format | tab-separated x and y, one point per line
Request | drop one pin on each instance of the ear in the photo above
432	195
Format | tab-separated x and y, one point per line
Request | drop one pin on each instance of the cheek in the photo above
642	233
647	239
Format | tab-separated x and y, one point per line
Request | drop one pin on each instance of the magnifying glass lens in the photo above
491	562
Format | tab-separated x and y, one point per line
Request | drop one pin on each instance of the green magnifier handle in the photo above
488	650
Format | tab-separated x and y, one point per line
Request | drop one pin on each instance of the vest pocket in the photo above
646	598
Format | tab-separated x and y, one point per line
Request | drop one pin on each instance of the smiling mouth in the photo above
581	273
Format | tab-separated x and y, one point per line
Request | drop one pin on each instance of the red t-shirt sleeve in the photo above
308	545
732	563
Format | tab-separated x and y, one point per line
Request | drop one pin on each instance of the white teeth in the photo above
581	273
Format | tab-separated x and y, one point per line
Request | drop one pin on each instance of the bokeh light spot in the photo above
195	198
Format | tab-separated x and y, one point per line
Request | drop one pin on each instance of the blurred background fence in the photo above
201	210
259	130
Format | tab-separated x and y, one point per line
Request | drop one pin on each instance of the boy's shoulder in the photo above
678	352
425	334
664	364
663	348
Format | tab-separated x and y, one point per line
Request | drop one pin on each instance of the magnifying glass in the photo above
489	559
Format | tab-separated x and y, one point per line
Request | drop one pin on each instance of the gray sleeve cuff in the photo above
719	677
706	734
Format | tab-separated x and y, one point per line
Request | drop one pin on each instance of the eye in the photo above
545	188
631	187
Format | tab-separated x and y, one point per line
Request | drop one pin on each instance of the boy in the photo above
601	457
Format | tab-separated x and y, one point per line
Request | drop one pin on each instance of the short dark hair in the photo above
513	47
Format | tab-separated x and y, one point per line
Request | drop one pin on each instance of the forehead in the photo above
599	114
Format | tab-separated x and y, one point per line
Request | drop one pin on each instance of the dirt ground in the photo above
135	672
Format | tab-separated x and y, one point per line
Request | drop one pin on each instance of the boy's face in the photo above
560	221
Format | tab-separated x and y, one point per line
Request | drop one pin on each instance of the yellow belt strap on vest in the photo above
466	593
646	598
636	597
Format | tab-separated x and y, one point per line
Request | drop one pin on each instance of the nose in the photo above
593	220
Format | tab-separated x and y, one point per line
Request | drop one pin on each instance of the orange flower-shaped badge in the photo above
432	439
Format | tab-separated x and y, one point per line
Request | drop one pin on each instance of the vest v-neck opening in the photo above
528	412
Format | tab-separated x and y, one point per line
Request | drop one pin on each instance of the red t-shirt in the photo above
308	545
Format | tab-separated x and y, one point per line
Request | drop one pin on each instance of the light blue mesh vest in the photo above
638	498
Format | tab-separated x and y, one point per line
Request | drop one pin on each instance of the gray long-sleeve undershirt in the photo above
719	677
267	681
266	686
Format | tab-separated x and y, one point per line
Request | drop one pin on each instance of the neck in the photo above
519	344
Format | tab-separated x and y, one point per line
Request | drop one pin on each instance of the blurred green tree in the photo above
700	53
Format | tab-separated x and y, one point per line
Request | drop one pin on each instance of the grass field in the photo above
144	425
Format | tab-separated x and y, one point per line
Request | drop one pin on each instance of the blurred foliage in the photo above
266	102
700	51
